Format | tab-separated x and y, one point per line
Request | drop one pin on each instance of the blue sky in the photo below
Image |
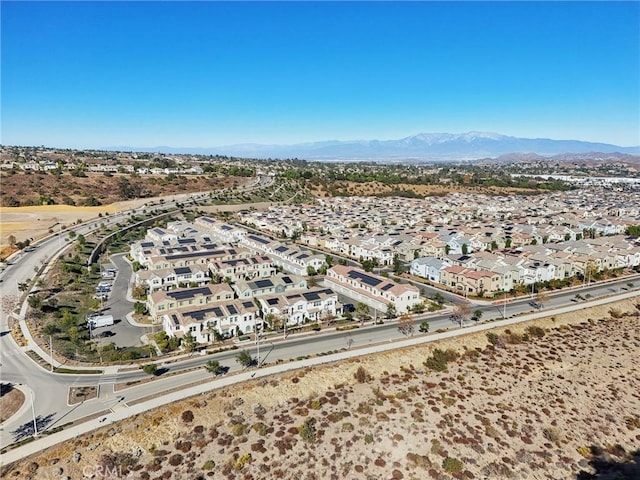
83	75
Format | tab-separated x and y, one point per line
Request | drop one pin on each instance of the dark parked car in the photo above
106	334
348	307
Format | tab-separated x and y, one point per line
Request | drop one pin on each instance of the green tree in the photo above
477	314
418	307
74	335
367	265
35	301
424	327
391	310
438	298
362	310
633	230
68	320
244	358
50	329
397	266
189	342
465	249
150	369
140	308
213	367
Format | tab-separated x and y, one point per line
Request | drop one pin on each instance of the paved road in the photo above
121	405
271	350
49	390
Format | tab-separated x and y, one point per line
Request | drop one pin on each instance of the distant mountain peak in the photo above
420	147
434	138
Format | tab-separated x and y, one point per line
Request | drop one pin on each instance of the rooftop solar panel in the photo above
272	301
281	249
311	296
180	256
198	314
247	304
182	270
218	312
232	309
175	320
263	283
258	239
364	278
190	293
287	280
387	287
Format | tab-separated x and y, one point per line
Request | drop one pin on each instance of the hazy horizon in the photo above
210	74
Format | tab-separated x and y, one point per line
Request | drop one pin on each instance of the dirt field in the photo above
35	221
26	189
559	401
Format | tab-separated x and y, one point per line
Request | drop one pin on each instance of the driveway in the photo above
126	335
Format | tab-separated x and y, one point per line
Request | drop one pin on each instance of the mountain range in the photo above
421	147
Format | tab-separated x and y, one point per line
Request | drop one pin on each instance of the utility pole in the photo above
51	351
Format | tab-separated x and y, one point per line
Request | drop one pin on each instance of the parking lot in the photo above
115	303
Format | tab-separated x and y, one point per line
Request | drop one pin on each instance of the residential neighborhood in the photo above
210	279
474	244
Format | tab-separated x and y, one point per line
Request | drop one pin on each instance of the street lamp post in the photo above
258	343
33	411
51	350
504	307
